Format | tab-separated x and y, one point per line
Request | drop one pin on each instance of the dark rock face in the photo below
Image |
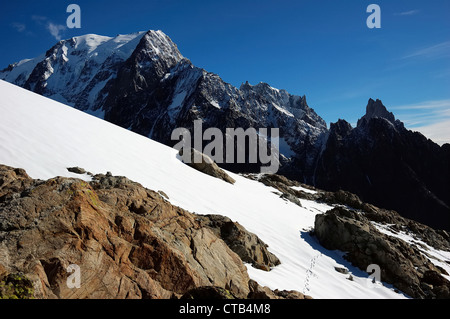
388	166
256	292
376	109
177	96
401	264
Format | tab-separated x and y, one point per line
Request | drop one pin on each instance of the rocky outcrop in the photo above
402	264
205	165
129	242
209	292
391	220
284	185
342	198
376	109
438	239
247	245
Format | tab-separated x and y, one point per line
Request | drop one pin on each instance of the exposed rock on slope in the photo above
352	227
438	239
205	165
247	245
401	264
128	241
285	186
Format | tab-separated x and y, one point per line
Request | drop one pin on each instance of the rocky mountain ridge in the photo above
389	166
142	82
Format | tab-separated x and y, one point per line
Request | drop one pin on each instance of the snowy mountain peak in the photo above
76	70
88	41
157	45
142	82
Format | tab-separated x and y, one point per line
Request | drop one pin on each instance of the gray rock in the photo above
76	170
284	185
292	199
341	270
207	166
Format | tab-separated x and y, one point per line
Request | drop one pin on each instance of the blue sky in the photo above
318	48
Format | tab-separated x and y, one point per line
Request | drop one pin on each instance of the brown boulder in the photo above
247	245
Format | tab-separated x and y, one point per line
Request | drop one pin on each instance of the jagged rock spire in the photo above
376	109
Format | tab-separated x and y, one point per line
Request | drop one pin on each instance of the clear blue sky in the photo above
320	48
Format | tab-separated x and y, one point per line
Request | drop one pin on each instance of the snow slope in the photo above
45	137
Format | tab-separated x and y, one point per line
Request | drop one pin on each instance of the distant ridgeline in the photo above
141	82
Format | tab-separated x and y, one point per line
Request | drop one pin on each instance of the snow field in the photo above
45	137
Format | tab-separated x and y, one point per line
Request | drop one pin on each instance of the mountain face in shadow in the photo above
389	166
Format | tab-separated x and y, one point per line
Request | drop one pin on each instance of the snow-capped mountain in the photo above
45	137
74	71
142	82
